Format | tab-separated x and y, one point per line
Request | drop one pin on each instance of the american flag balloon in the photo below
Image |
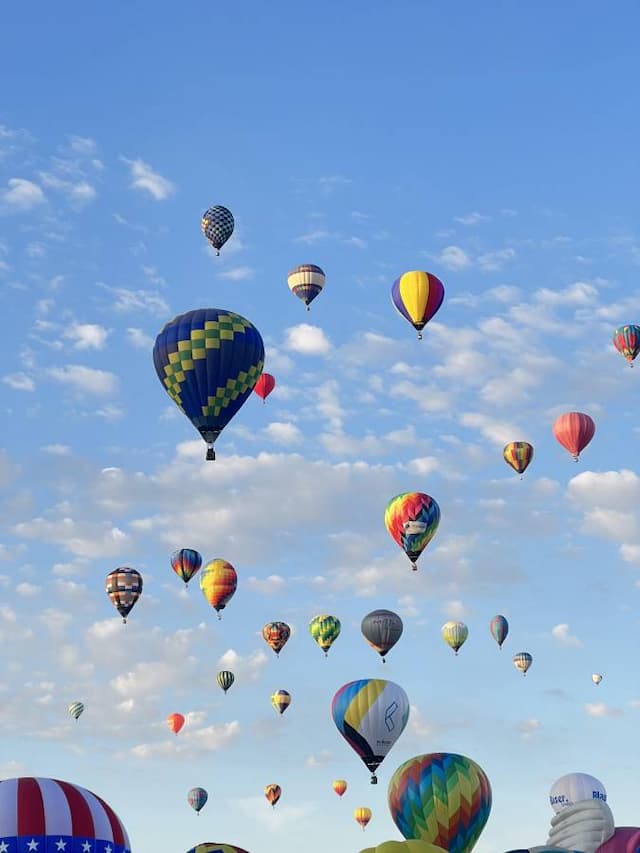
40	815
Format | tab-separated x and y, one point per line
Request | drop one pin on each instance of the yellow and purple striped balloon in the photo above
417	296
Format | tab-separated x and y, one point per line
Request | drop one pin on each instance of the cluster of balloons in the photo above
573	430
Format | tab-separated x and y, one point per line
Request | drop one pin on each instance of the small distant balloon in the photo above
382	629
325	630
197	797
417	296
275	635
281	700
596	678
522	661
339	786
574	431
225	679
185	563
217	226
362	815
264	386
574	788
626	339
455	635
272	793
518	454
75	709
124	588
306	282
175	722
499	628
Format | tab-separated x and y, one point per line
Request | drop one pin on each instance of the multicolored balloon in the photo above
417	296
409	846
216	847
442	798
339	786
124	588
574	430
370	714
306	282
225	679
522	661
518	454
217	226
275	635
382	629
281	700
45	812
412	519
626	339
272	793
455	634
175	722
499	628
362	815
325	630
75	709
264	386
185	563
208	362
218	582
197	797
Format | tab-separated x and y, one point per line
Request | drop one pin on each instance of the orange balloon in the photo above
362	815
574	430
175	722
339	786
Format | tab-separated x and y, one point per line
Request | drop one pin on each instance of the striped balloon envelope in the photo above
417	296
306	282
75	709
218	582
39	815
214	847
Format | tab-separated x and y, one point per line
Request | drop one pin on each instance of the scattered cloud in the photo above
307	340
87	380
22	194
19	382
238	274
145	179
87	335
562	635
283	433
599	709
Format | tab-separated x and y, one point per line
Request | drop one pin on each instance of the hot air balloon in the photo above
175	722
596	678
325	631
382	629
272	793
499	628
574	788
218	582
518	454
225	679
412	519
276	634
574	430
455	634
339	786
306	282
441	798
37	814
417	296
185	563
362	815
216	847
370	714
208	362
217	226
522	661
265	385
75	709
409	846
281	700
626	339
196	798
124	588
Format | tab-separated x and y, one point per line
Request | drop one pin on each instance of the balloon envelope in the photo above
499	628
272	793
522	661
208	362
596	678
443	798
626	339
75	709
124	588
217	226
339	786
370	714
265	385
306	282
325	630
196	798
382	629
185	563
412	519
215	847
518	454
281	700
574	430
362	815
276	634
455	634
417	296
409	846
175	722
218	582
574	788
225	679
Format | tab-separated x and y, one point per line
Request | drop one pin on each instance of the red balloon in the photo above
574	430
175	722
265	385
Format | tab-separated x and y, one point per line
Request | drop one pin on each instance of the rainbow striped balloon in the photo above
441	798
412	519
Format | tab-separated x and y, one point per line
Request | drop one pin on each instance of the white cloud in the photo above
87	335
323	758
82	145
562	635
599	709
139	339
283	433
82	538
57	449
308	340
271	585
528	728
19	382
578	294
191	743
238	273
23	194
471	218
144	178
454	258
312	237
140	301
28	590
454	610
494	261
87	380
249	667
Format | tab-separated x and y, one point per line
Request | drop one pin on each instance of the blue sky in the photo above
494	145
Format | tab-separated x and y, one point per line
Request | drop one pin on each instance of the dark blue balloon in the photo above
208	361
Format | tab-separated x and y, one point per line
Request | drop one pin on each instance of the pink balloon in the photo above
626	839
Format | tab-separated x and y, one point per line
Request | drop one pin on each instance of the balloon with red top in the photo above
574	430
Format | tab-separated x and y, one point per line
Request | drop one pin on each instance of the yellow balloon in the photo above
411	846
